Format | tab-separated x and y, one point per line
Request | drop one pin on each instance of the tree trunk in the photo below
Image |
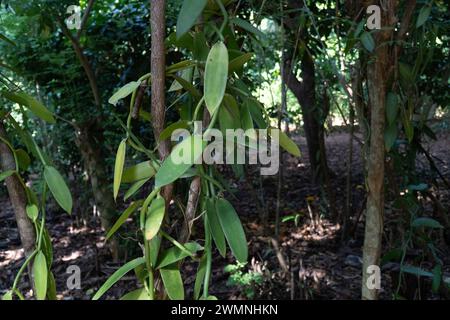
94	164
377	76
305	92
17	195
158	70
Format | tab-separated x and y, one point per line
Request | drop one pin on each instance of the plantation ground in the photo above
320	265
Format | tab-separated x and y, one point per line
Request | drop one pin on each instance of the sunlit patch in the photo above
72	256
9	256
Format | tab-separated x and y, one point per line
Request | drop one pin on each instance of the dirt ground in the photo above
318	264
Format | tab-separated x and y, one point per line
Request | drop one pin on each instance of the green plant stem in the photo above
208	257
177	244
41	229
22	268
197	108
225	17
151	280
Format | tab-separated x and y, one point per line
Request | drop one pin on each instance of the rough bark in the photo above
90	148
17	195
158	70
377	76
305	92
89	135
191	208
88	70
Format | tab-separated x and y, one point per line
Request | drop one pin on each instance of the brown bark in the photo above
305	92
90	148
17	195
377	77
158	70
83	61
191	208
88	136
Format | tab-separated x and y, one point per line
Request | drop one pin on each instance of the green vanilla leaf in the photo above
138	294
123	217
182	157
216	75
116	276
155	217
6	174
175	254
140	171
189	13
40	275
233	230
124	92
31	103
173	283
214	224
423	15
367	41
58	188
118	166
32	212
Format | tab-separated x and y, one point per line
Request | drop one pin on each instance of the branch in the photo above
85	18
83	60
407	16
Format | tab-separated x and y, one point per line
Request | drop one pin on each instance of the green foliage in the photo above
246	280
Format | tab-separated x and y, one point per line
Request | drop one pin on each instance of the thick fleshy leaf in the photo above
59	188
190	11
167	132
173	283
31	103
7	296
200	48
248	27
367	41
287	144
232	228
23	158
390	136
143	170
123	92
155	217
138	294
134	188
437	277
180	160
116	276
391	107
416	271
6	174
123	217
423	15
239	62
229	114
216	75
32	212
51	287
216	229
255	109
200	277
118	166
40	274
175	254
427	223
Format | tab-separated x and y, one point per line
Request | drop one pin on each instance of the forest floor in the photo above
310	261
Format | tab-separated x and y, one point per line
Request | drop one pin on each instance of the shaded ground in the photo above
319	264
